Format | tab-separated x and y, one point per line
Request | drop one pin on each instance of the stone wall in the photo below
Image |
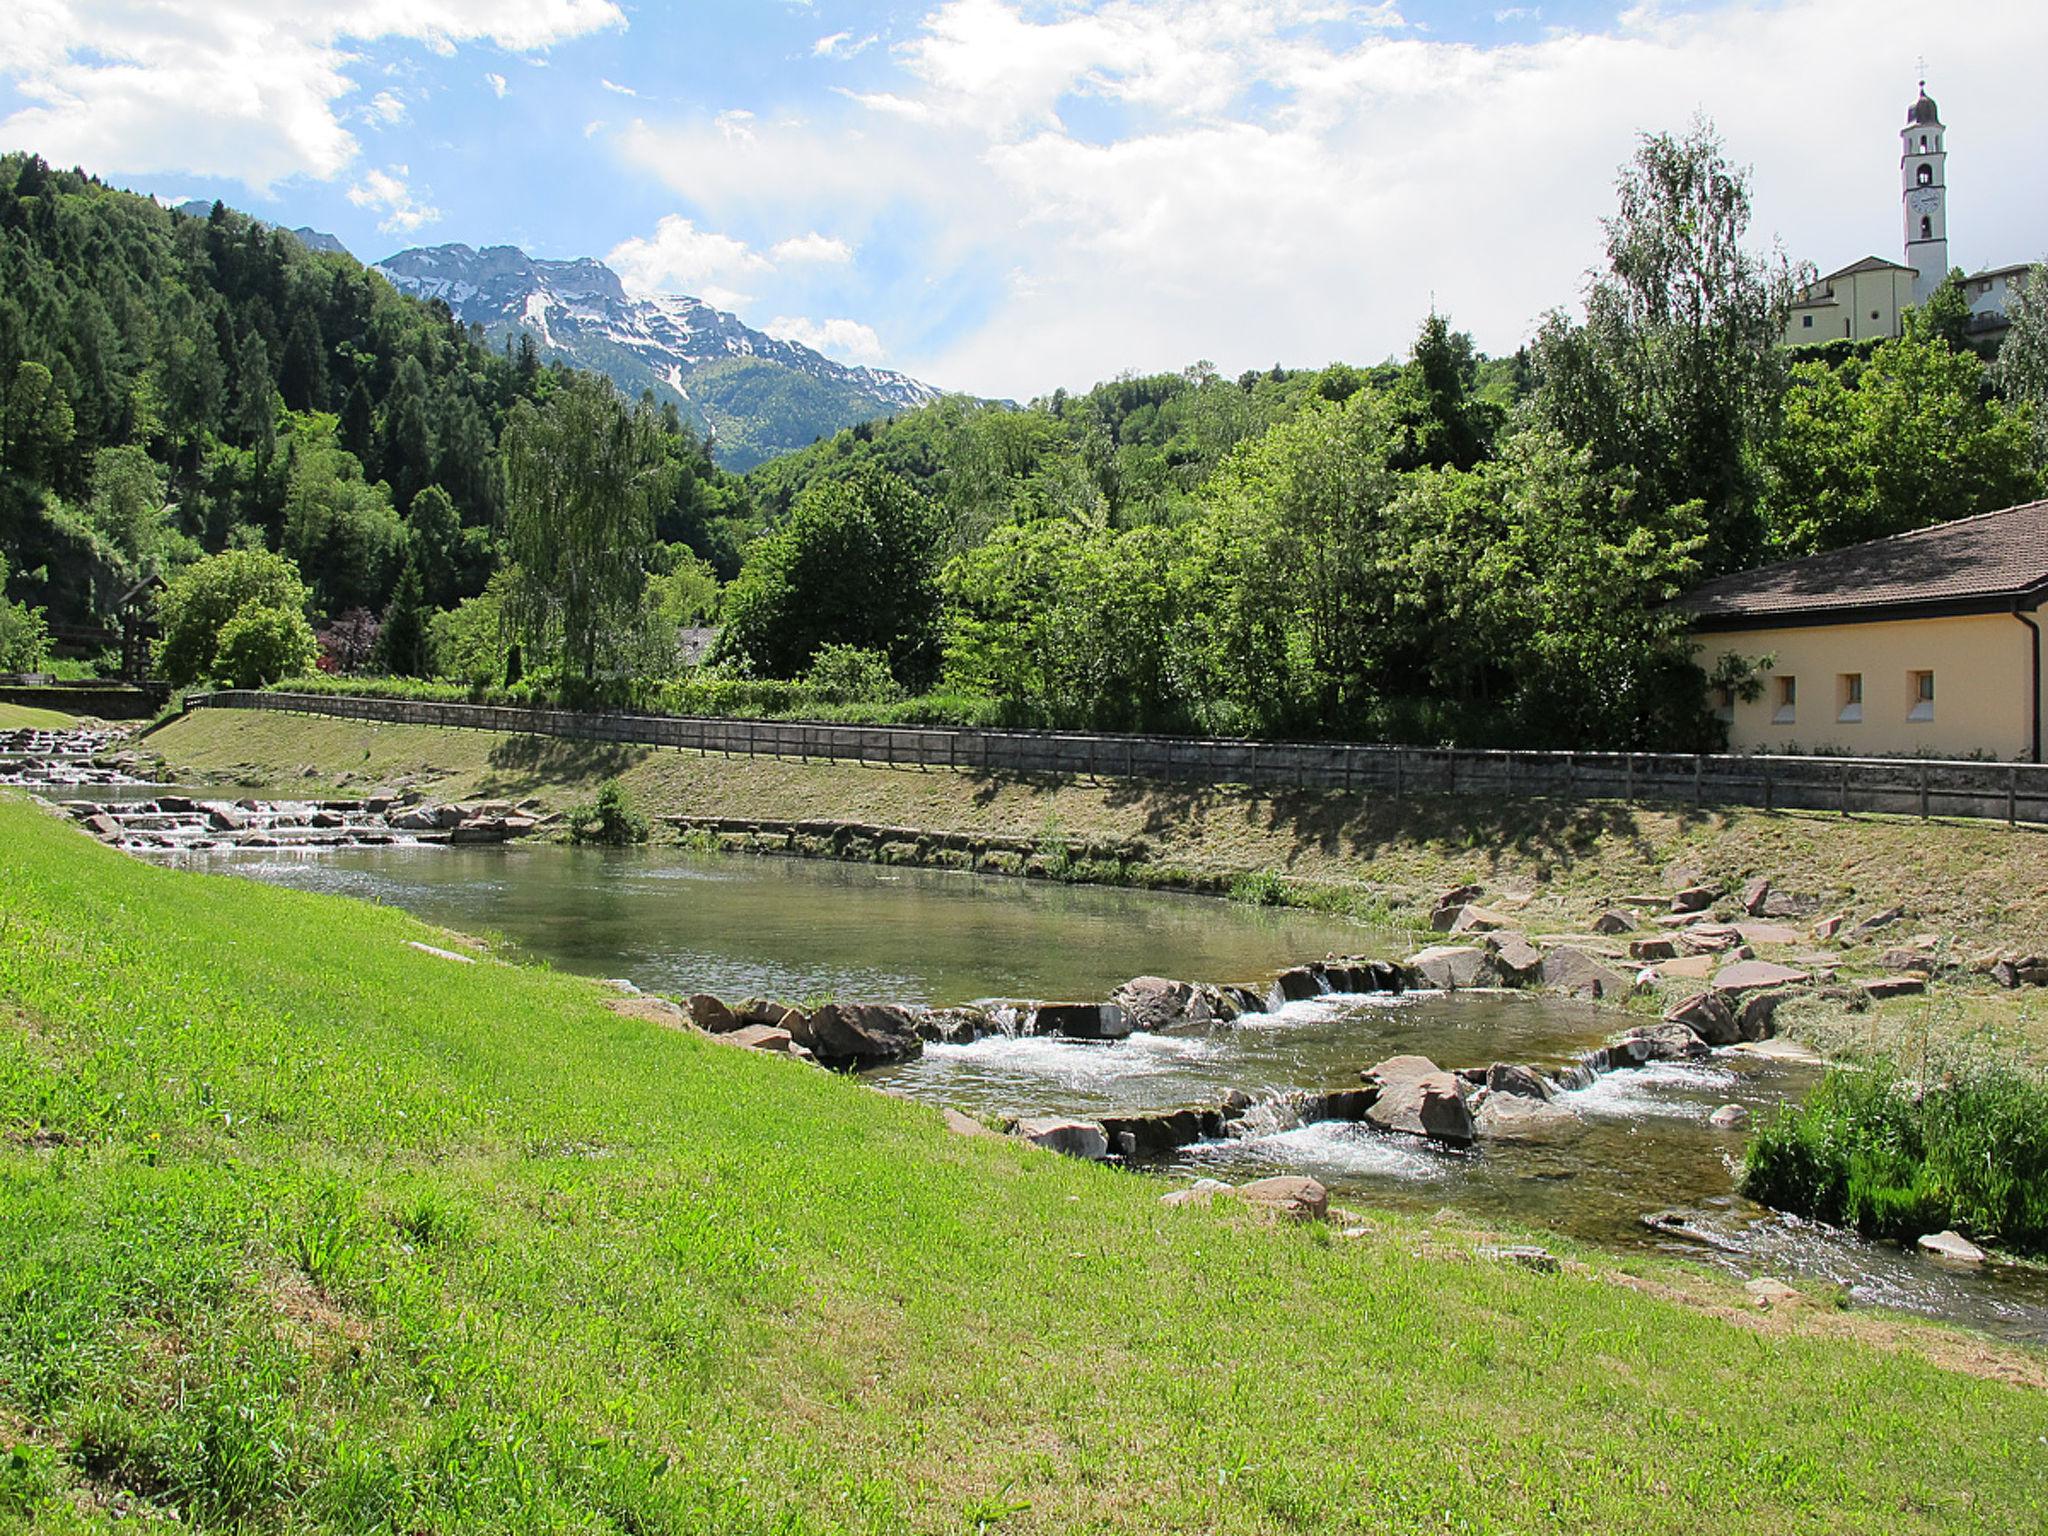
2010	792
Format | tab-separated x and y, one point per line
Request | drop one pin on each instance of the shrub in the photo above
849	674
1260	888
24	638
1875	1150
612	821
205	598
261	644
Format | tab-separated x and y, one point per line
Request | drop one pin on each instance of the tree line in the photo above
1444	547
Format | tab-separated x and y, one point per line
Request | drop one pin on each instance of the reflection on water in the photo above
678	922
683	922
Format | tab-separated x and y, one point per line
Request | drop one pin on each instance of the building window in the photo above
1926	227
1788	701
1923	696
1925	175
1849	694
1724	701
1806	322
1923	143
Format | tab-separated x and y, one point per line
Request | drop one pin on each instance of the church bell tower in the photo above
1923	189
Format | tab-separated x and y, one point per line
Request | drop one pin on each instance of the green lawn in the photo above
301	1228
27	717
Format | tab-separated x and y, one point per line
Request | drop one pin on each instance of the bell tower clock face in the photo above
1924	200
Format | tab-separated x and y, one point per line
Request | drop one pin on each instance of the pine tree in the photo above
402	643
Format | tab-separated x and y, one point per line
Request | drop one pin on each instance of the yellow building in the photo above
1927	644
1860	301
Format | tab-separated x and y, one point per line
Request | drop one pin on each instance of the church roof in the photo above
1820	292
1924	110
1981	564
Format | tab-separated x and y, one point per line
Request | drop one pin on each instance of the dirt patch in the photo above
652	1010
309	1319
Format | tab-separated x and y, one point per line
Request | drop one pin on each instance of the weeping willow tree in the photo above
583	475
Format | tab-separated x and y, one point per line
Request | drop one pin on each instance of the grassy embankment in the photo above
303	1228
1978	885
28	717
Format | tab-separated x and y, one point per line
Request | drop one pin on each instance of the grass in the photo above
1961	1144
304	1229
28	717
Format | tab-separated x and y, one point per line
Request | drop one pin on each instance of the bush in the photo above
1892	1157
612	821
260	644
24	638
204	598
849	674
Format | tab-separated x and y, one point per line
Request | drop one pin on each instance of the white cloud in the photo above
1252	180
735	124
497	84
843	45
386	108
615	88
812	247
681	258
389	192
847	340
249	89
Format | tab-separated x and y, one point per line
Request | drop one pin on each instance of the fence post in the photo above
1767	784
2012	796
1698	794
1844	788
1923	791
1628	780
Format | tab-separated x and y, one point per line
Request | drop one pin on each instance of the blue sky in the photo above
1008	195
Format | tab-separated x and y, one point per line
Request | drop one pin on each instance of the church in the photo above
1869	298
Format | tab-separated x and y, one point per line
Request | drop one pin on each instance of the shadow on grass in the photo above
522	764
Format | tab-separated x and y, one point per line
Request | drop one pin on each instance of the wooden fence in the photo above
2008	792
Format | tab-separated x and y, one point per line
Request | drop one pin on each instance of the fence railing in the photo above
2009	792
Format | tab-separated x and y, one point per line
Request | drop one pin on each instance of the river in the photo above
679	922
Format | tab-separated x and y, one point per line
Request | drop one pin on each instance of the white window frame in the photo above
1788	701
1849	692
1920	689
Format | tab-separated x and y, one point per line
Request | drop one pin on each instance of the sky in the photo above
1005	196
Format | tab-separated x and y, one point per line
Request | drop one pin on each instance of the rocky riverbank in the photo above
86	755
182	824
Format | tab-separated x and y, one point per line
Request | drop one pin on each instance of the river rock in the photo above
1951	1248
1694	898
1523	1256
1298	983
1767	1293
1881	987
1522	1082
1880	920
1755	892
1753	975
858	1034
1729	1117
963	1125
1653	1042
1511	1117
1471	918
1520	962
1901	958
711	1015
1155	1003
761	1037
1201	1192
1454	966
1079	1021
1707	1015
1071	1138
1458	895
1287	1195
1614	921
1137	1136
1652	949
1757	1019
1417	1097
1578	974
953	1026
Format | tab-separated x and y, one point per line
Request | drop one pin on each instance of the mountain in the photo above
756	395
311	239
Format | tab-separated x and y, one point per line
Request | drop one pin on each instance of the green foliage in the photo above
1676	372
583	475
855	564
1963	1147
402	637
1878	446
260	644
202	600
846	674
469	643
611	820
24	637
336	525
2022	371
1259	888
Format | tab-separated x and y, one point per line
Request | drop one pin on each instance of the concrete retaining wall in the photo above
2009	792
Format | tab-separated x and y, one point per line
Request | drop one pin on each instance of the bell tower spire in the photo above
1923	192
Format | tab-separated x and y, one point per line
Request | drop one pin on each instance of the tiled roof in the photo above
1975	564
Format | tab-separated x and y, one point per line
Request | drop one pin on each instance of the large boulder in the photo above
1520	962
1286	1195
1755	975
1707	1015
1511	1117
712	1016
1653	1042
1694	898
1070	1138
1614	921
1298	983
858	1034
1471	918
1453	966
1418	1098
1079	1021
1519	1081
1155	1002
1579	974
1757	1018
1755	893
953	1026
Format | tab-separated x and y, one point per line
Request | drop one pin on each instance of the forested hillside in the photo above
1442	548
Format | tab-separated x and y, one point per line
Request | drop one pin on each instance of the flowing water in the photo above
679	922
